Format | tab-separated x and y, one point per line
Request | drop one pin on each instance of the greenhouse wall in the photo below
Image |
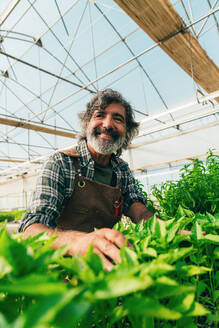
15	193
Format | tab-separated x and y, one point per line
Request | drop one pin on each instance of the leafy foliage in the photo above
196	190
166	280
11	215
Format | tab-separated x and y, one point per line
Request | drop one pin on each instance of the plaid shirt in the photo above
55	185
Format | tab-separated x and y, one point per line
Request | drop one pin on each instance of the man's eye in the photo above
119	119
99	115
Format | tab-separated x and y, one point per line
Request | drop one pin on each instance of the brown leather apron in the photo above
91	205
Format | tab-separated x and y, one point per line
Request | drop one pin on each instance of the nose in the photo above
107	122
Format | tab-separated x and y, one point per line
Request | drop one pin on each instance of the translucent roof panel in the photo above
54	55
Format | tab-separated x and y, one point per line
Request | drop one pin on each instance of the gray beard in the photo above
104	146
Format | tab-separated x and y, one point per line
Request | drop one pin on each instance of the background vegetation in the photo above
11	215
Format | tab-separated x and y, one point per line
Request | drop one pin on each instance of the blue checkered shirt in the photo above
55	185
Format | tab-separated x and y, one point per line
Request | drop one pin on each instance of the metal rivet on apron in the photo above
81	184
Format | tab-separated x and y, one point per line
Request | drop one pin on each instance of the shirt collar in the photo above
85	155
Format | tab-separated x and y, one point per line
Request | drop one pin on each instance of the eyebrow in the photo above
119	115
101	111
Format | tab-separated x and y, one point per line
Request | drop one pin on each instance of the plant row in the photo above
167	280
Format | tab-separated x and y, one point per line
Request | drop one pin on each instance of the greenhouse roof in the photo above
162	56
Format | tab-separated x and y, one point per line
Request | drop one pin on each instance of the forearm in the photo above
106	242
139	211
68	238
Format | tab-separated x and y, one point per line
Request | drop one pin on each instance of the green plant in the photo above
11	215
167	280
196	190
148	202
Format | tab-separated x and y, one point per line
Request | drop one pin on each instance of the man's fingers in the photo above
113	236
108	248
187	232
107	264
184	232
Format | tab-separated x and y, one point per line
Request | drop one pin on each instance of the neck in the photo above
99	158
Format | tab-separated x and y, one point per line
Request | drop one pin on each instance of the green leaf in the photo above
72	264
117	314
150	308
185	322
185	304
94	261
158	268
175	254
166	287
73	313
48	307
128	257
184	212
152	224
172	231
213	238
164	280
34	284
216	295
115	285
160	229
139	226
213	317
216	253
192	270
13	252
143	244
3	322
198	310
5	267
151	252
78	266
201	287
197	231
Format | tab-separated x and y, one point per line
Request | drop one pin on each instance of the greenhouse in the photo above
109	163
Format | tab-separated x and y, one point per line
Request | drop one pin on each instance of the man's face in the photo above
106	129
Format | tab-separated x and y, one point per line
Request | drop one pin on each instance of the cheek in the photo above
89	126
122	130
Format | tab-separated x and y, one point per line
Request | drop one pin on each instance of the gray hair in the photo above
103	99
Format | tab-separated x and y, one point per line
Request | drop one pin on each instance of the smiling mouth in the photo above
105	135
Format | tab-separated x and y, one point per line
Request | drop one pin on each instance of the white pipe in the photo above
188	105
177	122
156	174
28	163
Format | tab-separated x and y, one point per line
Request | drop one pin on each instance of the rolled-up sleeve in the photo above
49	195
130	191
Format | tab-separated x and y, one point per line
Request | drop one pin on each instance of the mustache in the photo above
114	134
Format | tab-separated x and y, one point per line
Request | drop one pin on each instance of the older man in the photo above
90	186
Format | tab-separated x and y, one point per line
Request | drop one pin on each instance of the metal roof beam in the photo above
15	160
8	10
175	162
164	25
25	125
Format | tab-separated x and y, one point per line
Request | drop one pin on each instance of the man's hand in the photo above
106	242
187	232
138	211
